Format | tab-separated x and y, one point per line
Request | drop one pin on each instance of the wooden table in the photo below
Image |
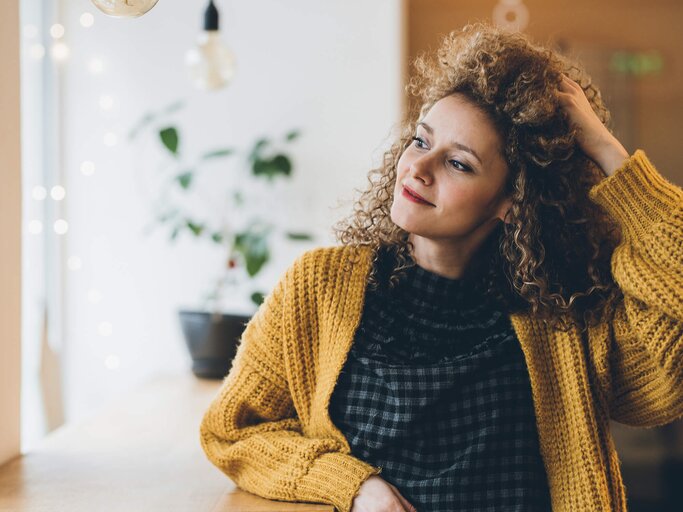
142	453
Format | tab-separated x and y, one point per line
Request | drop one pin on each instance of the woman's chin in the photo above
409	227
399	219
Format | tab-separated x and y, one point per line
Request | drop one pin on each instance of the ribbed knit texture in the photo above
269	427
435	391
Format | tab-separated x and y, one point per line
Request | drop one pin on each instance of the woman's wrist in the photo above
612	157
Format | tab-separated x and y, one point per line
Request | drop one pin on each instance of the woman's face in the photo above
455	163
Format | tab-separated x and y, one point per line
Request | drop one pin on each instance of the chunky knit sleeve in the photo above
251	431
639	349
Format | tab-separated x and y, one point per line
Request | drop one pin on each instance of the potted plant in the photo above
242	232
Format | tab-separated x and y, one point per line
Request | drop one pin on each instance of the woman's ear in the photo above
504	209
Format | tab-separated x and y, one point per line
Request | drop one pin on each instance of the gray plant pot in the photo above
212	340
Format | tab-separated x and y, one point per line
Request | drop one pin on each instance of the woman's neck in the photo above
451	258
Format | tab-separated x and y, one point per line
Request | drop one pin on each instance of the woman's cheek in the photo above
403	163
400	171
459	199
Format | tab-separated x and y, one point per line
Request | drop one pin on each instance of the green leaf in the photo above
196	229
299	236
170	139
283	164
239	241
294	134
258	298
279	164
185	179
174	233
145	120
260	167
166	216
258	148
217	153
255	262
253	245
217	237
175	106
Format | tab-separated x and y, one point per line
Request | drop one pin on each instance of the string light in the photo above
87	168
36	51
57	31
61	226
39	193
35	227
57	193
87	20
60	51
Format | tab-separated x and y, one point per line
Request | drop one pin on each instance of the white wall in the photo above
330	68
10	226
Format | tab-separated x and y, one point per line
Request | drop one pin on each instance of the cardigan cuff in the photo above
637	196
334	478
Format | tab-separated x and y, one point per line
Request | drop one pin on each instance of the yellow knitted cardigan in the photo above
269	428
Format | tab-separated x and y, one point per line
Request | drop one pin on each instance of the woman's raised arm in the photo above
638	352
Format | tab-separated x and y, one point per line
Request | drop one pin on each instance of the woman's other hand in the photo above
593	137
377	495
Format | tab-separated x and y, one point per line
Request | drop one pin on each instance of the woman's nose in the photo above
421	168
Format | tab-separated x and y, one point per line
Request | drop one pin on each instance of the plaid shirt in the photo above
436	392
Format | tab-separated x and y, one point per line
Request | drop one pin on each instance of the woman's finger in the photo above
564	84
565	97
406	504
570	83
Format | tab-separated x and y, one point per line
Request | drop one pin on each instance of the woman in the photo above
509	281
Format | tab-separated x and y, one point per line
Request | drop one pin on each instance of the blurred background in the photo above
180	160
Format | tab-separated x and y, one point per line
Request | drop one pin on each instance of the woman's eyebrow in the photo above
455	144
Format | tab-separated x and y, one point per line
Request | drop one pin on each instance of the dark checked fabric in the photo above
435	391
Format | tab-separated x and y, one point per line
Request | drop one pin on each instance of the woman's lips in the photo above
406	193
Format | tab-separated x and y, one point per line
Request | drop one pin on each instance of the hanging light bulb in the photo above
211	64
124	8
511	15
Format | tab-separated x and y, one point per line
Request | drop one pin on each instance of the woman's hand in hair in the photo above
595	140
377	495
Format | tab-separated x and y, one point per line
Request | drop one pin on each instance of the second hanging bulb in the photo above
211	64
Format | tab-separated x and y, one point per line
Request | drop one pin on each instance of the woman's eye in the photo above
460	166
419	142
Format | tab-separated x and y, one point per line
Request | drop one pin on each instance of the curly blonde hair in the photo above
552	255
